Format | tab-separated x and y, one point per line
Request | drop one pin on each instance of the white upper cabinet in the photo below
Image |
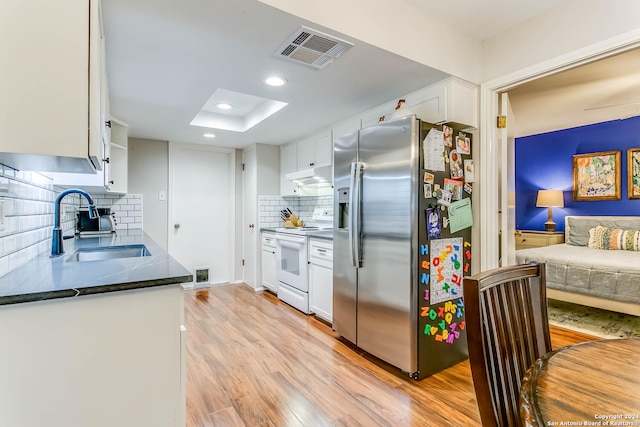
288	164
315	152
50	108
116	169
449	101
113	177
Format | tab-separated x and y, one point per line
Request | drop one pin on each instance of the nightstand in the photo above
526	239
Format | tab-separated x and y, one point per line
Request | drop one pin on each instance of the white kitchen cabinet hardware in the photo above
50	107
321	278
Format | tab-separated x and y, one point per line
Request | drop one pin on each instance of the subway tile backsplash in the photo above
269	207
126	208
26	214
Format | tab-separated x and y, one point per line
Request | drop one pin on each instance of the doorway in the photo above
493	200
202	209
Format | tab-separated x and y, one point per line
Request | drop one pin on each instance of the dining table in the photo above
595	383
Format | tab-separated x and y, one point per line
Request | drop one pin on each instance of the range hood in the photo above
315	177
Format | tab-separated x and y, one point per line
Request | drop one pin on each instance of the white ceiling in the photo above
601	91
484	19
165	58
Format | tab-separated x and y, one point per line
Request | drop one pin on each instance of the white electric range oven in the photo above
292	255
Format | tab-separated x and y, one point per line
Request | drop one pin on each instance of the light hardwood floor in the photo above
254	361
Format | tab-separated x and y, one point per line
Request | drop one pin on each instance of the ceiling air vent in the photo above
311	47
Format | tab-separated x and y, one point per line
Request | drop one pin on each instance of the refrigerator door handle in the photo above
355	228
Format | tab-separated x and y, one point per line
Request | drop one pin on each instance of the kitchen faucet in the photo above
56	239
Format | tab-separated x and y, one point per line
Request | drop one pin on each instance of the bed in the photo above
606	278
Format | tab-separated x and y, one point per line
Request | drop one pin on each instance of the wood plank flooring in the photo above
255	361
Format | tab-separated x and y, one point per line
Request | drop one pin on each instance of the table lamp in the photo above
548	199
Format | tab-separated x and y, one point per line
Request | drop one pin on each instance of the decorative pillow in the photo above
579	227
614	239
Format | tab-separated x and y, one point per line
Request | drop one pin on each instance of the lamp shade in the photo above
548	198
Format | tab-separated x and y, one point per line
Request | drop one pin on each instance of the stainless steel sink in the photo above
102	253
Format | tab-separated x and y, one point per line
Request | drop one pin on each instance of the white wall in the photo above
398	27
573	25
148	175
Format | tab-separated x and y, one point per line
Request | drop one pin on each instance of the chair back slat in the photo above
507	330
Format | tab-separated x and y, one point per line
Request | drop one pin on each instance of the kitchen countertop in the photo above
322	234
318	234
44	278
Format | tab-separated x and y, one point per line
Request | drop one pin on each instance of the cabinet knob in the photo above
107	160
176	226
111	182
251	226
108	123
312	164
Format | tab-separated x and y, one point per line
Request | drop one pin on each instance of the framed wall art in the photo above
633	172
596	176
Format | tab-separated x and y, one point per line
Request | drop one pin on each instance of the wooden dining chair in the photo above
507	330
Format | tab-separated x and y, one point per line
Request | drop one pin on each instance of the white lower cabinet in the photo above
269	279
321	278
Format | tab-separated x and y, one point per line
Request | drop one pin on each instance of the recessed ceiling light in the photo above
209	135
224	106
275	81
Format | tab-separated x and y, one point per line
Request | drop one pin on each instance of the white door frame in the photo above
489	148
232	202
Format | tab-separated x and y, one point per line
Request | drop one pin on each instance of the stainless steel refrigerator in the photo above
389	298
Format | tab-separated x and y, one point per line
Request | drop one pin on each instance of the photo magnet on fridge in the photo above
463	144
433	223
428	178
447	135
427	191
457	171
469	174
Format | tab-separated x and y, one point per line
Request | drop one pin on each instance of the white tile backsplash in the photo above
28	205
269	207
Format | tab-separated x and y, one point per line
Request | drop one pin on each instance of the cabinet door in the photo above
44	107
324	150
321	291
269	279
96	90
306	154
116	179
288	164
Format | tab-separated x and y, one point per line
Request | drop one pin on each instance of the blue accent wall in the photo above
545	161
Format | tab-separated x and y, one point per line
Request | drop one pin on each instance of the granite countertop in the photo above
273	229
45	278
